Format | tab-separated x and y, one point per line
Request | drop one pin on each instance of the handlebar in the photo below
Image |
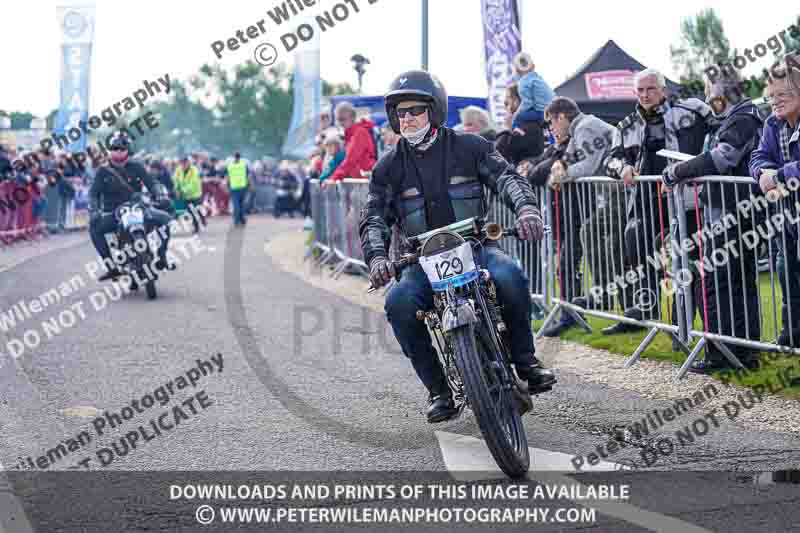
495	233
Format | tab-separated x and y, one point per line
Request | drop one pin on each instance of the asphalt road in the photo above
308	382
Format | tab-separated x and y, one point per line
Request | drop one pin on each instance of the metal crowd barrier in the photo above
335	213
681	265
264	197
663	261
532	257
738	305
16	214
609	262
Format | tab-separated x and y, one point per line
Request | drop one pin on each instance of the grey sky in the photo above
148	38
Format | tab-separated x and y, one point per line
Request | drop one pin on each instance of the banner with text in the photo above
610	85
77	35
502	41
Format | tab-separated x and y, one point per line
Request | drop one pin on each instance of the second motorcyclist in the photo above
115	184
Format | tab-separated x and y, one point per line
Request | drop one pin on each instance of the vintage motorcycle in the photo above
473	341
137	266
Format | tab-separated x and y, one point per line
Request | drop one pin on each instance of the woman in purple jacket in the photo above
777	161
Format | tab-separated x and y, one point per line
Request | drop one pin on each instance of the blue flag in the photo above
77	34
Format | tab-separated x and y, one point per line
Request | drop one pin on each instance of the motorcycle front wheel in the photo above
492	402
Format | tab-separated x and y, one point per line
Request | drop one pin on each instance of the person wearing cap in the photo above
334	153
433	178
238	184
189	188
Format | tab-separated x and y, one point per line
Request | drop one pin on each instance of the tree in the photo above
703	44
792	43
335	89
247	109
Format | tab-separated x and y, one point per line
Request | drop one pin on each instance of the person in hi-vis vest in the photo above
189	188
238	185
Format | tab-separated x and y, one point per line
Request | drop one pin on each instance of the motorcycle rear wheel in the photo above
494	407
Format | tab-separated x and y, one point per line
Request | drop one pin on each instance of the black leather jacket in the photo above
463	164
108	189
729	149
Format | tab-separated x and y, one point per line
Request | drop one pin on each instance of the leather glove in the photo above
381	272
529	224
95	215
668	175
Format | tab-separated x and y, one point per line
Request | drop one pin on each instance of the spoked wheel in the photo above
492	402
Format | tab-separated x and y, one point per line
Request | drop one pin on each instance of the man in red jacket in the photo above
359	146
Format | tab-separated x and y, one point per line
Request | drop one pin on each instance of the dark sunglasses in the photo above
119	149
415	111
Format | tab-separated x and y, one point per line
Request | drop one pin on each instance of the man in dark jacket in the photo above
433	178
731	291
776	162
114	185
524	142
657	123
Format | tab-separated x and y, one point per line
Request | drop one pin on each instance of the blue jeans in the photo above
530	115
414	292
237	197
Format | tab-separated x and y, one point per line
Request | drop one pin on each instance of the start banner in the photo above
77	35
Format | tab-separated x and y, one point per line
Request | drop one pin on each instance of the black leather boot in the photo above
112	274
539	378
441	406
164	264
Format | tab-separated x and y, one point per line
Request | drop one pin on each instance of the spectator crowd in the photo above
604	231
621	228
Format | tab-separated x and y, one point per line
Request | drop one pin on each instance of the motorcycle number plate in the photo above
454	267
131	219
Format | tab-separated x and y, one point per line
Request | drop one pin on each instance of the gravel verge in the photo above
648	378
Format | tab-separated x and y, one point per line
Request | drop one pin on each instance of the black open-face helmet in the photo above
120	142
417	85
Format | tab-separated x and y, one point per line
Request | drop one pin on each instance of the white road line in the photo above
468	459
468	454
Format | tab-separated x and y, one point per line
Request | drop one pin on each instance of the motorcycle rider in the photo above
114	184
435	177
